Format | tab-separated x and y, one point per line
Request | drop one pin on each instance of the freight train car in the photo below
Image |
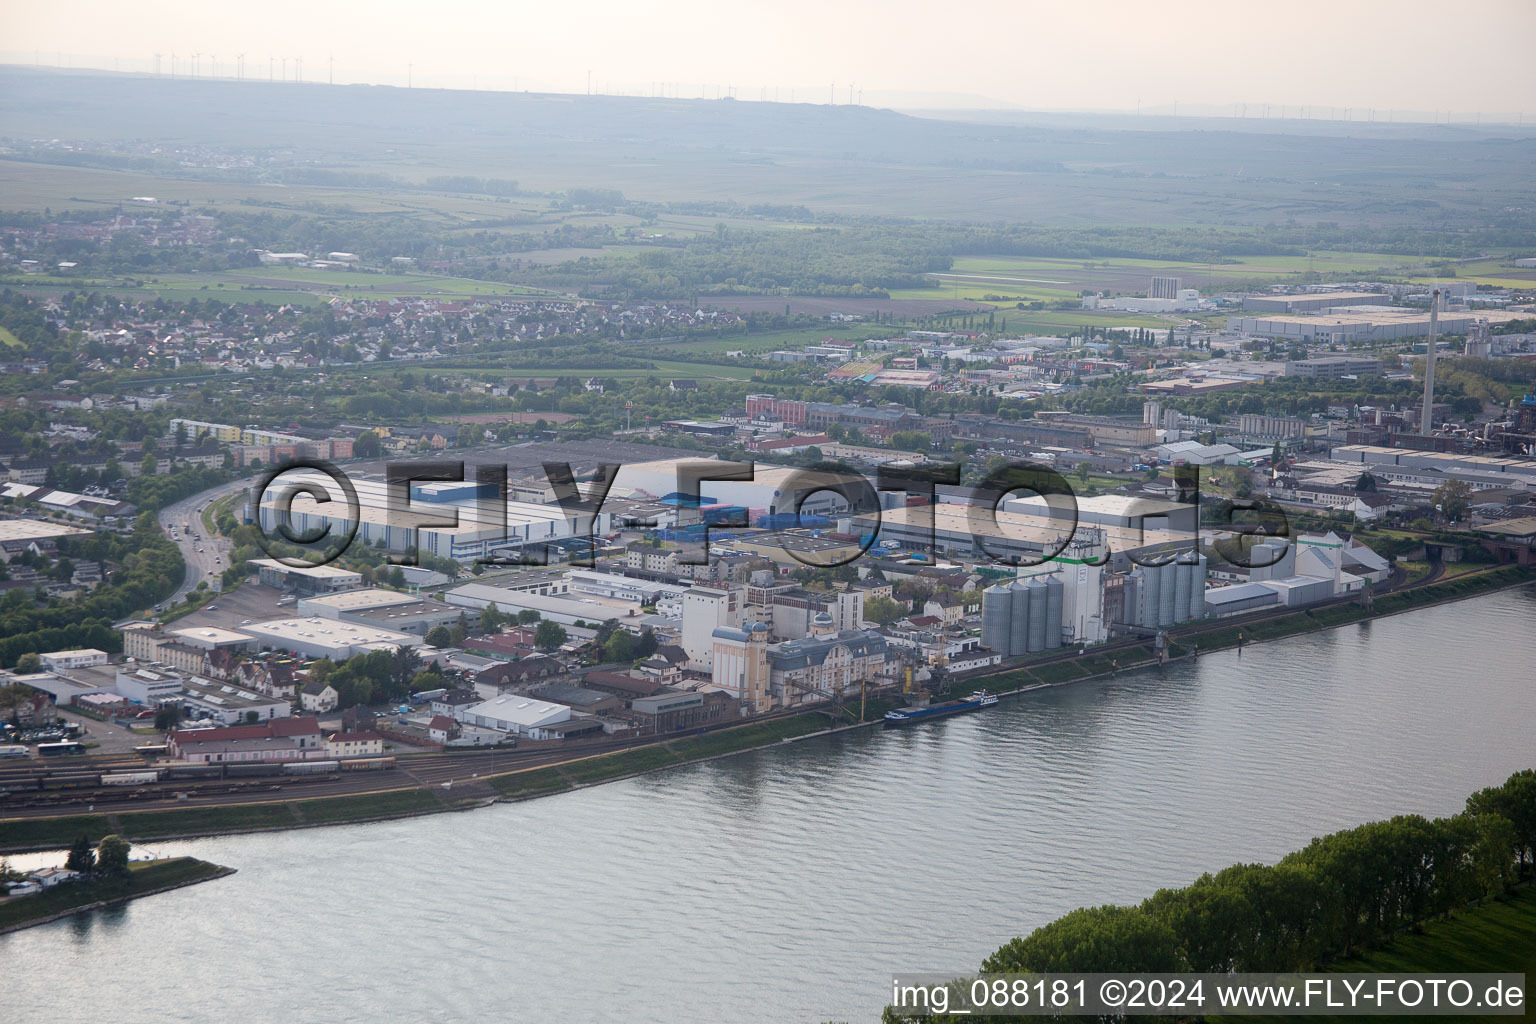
244	771
90	781
143	778
194	771
367	764
311	767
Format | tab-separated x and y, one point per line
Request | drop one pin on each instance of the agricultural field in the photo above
1053	279
277	285
1498	272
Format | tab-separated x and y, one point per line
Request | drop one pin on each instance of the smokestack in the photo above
1425	423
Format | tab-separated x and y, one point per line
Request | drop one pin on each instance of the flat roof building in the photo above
516	714
327	638
85	658
314	579
563	610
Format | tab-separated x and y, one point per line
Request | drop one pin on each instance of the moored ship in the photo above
943	709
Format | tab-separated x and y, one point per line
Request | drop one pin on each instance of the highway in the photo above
205	557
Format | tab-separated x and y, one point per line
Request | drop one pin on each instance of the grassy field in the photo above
8	339
1496	937
143	877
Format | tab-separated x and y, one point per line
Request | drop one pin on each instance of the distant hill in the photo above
1063	169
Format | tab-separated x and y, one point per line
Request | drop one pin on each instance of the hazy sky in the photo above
1424	55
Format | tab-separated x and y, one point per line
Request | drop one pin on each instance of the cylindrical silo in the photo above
996	611
1037	621
1183	570
1053	600
1136	598
1165	589
1018	618
1197	577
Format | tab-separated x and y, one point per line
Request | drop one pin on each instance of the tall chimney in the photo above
1426	422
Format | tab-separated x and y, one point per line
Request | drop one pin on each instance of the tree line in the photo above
1342	894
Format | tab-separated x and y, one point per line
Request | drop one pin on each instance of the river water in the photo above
788	885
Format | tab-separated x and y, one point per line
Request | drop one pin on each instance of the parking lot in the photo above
250	602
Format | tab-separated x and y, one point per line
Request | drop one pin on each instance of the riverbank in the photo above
32	834
145	878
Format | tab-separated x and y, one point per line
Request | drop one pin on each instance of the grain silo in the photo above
1165	594
1183	570
996	618
1035	589
1018	619
1053	601
1197	577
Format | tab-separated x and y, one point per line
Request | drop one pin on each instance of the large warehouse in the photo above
1361	323
772	488
565	610
327	638
477	535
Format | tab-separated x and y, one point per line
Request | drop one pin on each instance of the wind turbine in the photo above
195	56
271	63
157	64
213	65
330	69
240	66
173	64
285	67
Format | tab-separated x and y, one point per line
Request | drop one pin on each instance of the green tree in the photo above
82	856
427	680
1366	484
366	446
438	636
112	856
1452	499
549	636
28	663
167	716
404	664
1092	939
1515	801
883	610
620	646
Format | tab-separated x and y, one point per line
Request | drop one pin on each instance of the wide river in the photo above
788	885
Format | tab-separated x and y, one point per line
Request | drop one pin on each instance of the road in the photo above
205	557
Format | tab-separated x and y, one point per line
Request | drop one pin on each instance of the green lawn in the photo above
1497	937
143	876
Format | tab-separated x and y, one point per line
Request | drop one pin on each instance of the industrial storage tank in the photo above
996	621
1183	570
1136	598
1197	576
1054	590
1165	591
1150	595
1036	596
1018	618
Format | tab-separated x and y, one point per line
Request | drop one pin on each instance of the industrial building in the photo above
971	531
315	637
333	606
567	611
450	519
1406	465
1313	302
302	580
1359	323
772	489
515	714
